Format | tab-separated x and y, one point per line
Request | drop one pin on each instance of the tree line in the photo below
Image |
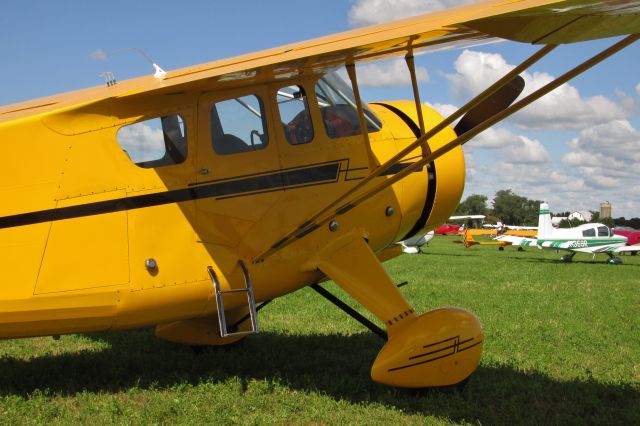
513	209
507	207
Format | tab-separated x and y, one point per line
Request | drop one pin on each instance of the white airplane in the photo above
591	238
471	216
502	226
414	244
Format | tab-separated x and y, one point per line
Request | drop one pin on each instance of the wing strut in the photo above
416	95
312	224
351	70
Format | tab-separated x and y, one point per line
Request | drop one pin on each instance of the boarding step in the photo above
222	320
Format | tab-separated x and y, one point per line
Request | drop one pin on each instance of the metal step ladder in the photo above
222	320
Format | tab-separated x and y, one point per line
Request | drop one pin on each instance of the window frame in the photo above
162	161
231	96
604	228
374	117
308	108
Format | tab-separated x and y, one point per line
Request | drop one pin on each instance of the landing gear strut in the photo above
614	260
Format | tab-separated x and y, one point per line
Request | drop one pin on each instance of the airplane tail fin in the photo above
545	229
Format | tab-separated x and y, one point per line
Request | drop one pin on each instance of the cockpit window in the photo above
338	108
156	142
591	232
603	231
294	113
238	125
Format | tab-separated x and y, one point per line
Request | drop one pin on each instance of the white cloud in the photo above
511	148
535	181
389	73
564	108
444	109
638	89
142	142
99	55
365	12
475	71
493	138
607	155
616	141
601	166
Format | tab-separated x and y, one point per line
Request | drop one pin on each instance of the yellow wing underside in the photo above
528	21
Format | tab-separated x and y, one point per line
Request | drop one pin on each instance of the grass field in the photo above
562	347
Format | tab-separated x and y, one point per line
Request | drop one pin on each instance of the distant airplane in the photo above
591	238
502	226
633	236
471	216
413	245
449	229
468	237
455	229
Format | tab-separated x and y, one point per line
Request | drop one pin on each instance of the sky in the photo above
577	147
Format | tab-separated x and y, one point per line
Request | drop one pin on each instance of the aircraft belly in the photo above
58	314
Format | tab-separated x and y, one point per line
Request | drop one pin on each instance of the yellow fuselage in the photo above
80	219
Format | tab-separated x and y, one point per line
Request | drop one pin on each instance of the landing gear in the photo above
568	257
501	248
520	249
614	260
441	347
412	250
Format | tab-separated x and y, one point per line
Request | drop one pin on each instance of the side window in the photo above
338	108
238	125
294	113
156	142
603	231
591	232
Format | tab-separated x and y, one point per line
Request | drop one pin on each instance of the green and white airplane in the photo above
591	238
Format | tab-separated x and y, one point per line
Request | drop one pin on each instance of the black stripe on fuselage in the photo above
318	174
324	173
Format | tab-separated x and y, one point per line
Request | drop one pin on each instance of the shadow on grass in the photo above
463	254
333	365
559	261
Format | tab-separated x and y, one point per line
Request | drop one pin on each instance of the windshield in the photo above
335	95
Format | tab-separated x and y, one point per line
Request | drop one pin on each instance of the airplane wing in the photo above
517	241
464	217
628	249
529	21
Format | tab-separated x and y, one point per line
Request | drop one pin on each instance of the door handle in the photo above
204	171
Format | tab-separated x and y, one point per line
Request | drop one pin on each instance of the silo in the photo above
605	210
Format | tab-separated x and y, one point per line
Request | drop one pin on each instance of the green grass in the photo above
562	347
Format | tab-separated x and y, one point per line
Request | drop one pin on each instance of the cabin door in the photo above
238	177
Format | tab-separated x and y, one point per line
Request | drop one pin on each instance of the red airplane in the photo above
448	229
633	236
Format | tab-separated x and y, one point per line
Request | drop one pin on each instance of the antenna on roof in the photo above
159	73
109	78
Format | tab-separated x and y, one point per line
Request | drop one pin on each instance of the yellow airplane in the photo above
189	198
468	237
